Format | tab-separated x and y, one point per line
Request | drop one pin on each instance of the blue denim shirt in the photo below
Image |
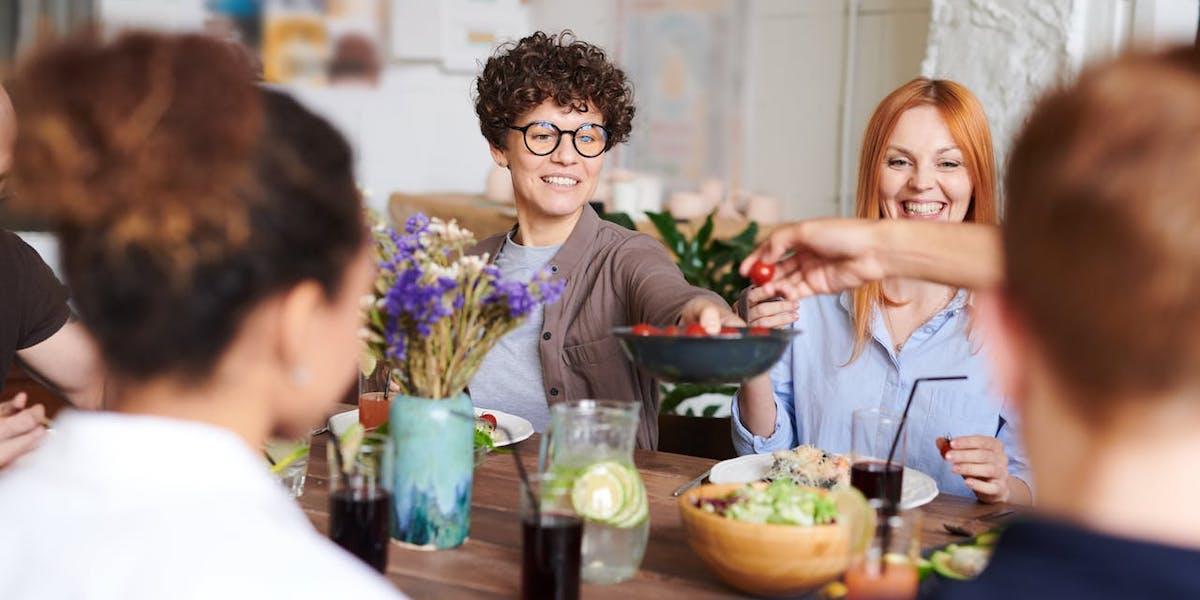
816	391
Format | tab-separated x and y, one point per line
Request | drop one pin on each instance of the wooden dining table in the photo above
488	565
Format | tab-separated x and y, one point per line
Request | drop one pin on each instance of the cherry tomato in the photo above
760	331
695	330
943	444
644	329
730	331
489	418
761	273
670	330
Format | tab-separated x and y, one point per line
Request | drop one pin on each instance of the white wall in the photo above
1010	51
1005	51
815	75
417	132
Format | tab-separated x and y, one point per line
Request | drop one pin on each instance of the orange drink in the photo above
893	579
373	409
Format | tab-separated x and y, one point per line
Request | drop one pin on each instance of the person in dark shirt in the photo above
1089	297
35	327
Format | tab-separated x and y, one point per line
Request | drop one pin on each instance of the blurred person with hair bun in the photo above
212	236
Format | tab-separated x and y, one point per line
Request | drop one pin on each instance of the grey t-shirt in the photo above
510	377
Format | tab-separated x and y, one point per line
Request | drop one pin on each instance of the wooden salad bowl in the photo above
759	558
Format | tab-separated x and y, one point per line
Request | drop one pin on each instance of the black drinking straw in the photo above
892	508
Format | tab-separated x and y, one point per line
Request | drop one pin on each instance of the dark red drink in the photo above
359	521
551	557
876	480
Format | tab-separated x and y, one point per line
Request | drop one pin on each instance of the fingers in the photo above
779	321
778	244
13	405
979	470
729	319
779	313
771	309
988	491
710	319
981	442
12	448
758	295
972	456
22	422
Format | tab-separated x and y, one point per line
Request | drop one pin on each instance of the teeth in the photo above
560	180
922	208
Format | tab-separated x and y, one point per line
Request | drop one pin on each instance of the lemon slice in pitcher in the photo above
599	492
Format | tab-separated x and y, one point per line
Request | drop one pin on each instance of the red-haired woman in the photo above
926	155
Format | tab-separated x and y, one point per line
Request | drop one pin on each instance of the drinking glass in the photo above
871	434
289	462
360	498
551	539
888	568
374	396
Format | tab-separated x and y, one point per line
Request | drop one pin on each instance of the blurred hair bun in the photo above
147	140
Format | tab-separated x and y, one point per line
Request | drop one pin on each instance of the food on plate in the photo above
695	330
810	466
960	562
781	503
760	331
964	561
485	427
761	273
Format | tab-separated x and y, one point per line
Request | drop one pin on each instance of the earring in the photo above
301	376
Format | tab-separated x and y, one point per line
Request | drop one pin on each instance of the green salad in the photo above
782	503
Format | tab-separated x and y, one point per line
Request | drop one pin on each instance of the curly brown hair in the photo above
183	194
522	75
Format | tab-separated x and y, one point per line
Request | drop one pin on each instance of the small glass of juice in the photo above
887	570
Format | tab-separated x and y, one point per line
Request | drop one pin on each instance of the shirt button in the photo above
927	329
553	391
553	268
546	336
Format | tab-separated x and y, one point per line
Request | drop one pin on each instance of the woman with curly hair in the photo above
550	107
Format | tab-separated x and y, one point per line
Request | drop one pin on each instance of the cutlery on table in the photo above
690	484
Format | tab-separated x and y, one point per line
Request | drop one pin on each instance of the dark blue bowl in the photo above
725	358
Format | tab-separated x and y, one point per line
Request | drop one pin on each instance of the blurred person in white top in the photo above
211	234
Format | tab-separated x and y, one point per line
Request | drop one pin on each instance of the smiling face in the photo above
559	184
923	175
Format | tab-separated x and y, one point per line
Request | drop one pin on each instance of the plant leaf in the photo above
705	234
665	224
710	411
620	218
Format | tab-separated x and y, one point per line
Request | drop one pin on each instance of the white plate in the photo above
917	489
518	427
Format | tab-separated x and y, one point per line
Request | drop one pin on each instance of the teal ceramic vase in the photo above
434	466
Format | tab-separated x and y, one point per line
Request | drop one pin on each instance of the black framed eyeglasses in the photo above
542	138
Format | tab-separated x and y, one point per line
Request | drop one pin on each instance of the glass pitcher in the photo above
589	445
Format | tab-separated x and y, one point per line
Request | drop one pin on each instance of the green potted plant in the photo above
712	264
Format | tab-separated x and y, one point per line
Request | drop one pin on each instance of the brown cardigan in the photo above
614	277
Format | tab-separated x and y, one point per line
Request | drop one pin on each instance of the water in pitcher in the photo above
590	442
